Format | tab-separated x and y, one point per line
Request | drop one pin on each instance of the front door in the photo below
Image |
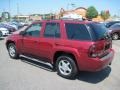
31	39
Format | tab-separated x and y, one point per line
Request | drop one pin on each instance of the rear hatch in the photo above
101	38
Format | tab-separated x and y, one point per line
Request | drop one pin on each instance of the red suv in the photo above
69	45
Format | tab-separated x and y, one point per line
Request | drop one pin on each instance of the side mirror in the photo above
22	33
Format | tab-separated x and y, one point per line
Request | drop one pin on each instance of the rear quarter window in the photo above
97	30
77	31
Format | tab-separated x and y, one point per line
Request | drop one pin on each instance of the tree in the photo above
91	12
5	16
105	14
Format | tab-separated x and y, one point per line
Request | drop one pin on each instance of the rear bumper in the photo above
96	64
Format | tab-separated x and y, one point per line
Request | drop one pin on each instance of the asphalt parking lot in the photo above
24	74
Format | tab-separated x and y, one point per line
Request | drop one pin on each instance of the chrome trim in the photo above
46	63
110	55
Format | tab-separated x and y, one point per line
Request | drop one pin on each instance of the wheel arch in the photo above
59	53
8	42
117	33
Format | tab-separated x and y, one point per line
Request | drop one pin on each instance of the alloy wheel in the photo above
65	67
12	51
115	36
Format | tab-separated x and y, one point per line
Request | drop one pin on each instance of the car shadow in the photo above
94	77
90	77
36	64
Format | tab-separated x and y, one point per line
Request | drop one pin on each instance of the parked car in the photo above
110	23
3	32
115	31
68	45
17	25
8	27
0	34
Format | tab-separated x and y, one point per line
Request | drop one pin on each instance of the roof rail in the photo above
76	19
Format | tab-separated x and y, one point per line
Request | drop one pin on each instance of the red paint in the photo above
47	47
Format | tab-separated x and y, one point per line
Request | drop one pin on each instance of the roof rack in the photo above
75	19
78	19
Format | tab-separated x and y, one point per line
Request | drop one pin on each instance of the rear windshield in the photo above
98	31
77	31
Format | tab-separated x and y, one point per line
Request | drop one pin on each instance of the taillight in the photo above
96	50
92	51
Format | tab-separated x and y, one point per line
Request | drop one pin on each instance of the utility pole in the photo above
70	6
118	16
9	6
18	11
17	8
10	9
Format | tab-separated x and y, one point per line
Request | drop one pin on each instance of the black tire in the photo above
72	66
1	34
115	36
15	53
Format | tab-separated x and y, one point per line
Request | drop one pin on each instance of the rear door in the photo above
51	35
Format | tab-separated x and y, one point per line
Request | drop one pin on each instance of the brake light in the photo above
96	50
92	51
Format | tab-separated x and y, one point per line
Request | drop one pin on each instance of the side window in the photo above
34	30
77	31
52	30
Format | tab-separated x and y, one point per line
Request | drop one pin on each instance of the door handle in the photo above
56	43
36	41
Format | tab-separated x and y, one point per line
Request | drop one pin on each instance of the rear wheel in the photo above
115	36
12	51
66	67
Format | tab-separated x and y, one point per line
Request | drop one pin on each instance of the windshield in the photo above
99	31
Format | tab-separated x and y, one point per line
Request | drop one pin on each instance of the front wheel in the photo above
66	67
12	51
